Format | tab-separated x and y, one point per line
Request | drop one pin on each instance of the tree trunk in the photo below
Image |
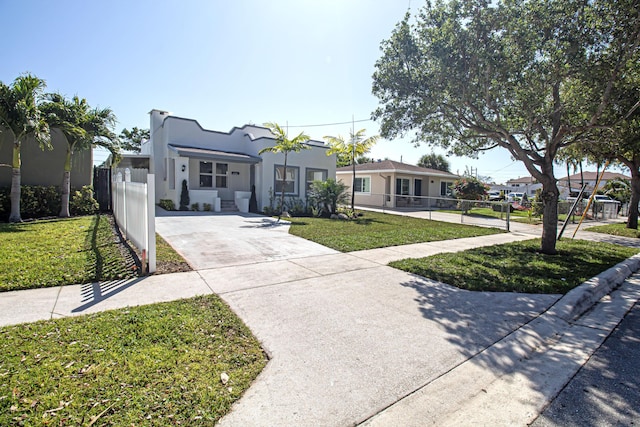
632	219
66	186
14	216
353	183
550	196
284	184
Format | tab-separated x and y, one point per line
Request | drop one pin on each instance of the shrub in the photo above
195	206
82	202
295	206
35	201
206	207
167	204
184	196
325	196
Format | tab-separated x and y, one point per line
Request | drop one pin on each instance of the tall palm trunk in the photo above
284	185
66	187
353	183
14	216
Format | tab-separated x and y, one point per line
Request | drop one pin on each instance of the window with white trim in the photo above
315	175
402	186
446	188
362	184
290	184
221	175
206	174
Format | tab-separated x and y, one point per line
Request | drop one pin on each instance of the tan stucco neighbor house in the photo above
388	183
45	167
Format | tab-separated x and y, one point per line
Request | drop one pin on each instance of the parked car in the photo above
514	196
494	196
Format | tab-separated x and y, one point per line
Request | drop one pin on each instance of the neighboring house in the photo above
45	167
224	166
527	185
394	184
589	178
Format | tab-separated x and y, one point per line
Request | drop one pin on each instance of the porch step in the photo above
228	206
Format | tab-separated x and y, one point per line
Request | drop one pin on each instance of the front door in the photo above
417	187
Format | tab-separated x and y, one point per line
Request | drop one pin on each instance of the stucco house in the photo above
526	184
45	167
588	178
222	167
388	183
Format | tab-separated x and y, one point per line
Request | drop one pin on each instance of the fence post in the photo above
151	222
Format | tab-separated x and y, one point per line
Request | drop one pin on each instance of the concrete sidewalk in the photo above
354	341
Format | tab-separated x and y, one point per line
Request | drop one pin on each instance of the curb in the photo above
581	298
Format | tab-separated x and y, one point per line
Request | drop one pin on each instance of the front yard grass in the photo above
378	230
159	364
615	230
56	252
519	266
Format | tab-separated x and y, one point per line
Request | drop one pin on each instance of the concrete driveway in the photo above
209	240
347	336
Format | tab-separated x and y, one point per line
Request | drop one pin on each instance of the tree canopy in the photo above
529	76
20	117
82	127
434	161
285	145
357	146
131	140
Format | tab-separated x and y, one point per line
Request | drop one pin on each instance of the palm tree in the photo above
357	146
285	145
82	127
20	117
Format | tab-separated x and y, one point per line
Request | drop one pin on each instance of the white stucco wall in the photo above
167	129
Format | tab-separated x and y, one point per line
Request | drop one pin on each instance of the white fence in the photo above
134	212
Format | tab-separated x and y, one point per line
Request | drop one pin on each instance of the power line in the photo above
330	124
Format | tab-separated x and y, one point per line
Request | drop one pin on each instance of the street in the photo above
606	391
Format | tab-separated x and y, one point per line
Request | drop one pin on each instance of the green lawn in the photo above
59	252
158	365
615	230
520	267
518	216
377	230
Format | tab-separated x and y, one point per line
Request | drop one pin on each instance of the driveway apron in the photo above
223	240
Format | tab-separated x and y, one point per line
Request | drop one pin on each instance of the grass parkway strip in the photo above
377	230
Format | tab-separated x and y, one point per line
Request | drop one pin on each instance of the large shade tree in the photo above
619	143
285	146
357	146
83	127
518	74
21	119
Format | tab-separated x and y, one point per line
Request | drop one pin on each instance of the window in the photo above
172	174
363	185
315	175
291	186
402	186
221	175
206	174
445	188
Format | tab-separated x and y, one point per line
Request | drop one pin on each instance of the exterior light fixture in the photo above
184	168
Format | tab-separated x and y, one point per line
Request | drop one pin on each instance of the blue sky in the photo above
223	63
